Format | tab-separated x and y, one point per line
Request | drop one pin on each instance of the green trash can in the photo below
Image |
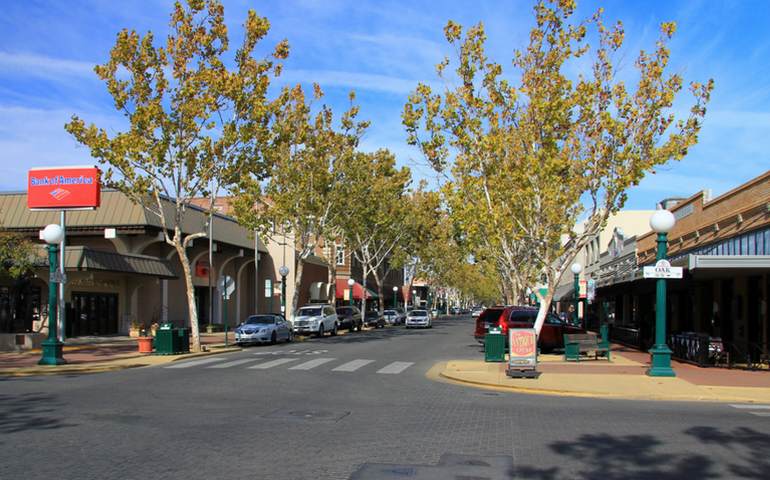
183	340
164	340
494	346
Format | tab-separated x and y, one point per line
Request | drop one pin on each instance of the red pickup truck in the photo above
551	336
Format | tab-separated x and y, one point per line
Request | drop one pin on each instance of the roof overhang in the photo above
86	259
728	262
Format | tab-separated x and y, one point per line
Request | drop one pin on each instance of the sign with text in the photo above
662	269
522	352
63	188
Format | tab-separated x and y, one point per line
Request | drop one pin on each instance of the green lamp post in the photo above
395	296
283	271
52	347
351	282
662	221
576	269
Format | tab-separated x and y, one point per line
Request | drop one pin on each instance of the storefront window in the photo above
745	245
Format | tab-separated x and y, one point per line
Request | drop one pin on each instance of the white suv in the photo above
316	319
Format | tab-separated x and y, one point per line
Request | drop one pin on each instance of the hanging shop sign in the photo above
63	188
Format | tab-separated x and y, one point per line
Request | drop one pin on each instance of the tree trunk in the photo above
379	292
195	344
297	287
332	294
363	294
545	305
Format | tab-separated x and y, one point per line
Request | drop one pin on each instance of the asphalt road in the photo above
356	407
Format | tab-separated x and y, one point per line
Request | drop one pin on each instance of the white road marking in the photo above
233	363
744	406
352	366
273	363
195	363
311	364
761	414
395	367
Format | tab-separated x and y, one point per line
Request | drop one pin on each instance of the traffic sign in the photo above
663	269
226	286
57	277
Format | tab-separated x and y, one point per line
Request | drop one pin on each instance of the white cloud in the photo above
44	66
353	80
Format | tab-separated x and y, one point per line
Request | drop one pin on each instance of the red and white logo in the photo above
59	193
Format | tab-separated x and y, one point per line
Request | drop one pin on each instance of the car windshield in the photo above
344	311
523	316
260	320
309	312
372	314
418	313
390	312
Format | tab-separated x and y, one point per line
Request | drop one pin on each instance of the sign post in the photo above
227	287
62	189
522	353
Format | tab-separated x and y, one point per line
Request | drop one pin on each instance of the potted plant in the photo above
134	331
145	341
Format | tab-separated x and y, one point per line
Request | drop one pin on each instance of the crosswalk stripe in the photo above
273	363
195	363
744	406
352	366
395	367
761	414
311	364
232	364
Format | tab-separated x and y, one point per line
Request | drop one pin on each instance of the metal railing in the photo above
626	335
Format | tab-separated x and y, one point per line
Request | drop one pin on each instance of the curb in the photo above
441	375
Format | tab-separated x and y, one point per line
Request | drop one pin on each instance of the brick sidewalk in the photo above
102	350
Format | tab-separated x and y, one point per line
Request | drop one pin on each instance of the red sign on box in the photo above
63	188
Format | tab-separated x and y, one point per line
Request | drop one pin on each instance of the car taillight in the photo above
503	325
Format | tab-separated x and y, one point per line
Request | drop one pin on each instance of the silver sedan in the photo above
263	329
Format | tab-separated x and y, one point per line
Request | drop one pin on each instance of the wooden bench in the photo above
577	344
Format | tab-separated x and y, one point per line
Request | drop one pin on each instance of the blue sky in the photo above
381	49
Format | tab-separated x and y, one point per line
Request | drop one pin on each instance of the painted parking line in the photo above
760	414
311	364
395	367
748	406
196	363
273	363
352	366
233	363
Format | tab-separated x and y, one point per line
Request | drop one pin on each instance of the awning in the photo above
728	262
88	259
342	288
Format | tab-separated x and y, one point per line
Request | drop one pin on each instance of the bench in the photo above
577	344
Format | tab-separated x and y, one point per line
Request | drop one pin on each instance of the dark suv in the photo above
551	336
350	318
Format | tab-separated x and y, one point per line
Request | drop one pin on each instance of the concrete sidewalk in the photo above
624	378
103	354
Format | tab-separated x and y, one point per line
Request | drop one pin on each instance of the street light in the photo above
351	282
576	269
395	296
283	271
52	347
662	221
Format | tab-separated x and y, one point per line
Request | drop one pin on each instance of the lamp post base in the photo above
661	362
52	353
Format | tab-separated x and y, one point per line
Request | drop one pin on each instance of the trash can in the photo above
494	346
164	340
183	340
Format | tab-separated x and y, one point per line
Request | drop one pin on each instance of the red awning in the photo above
342	285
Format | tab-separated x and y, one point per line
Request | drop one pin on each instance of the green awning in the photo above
89	260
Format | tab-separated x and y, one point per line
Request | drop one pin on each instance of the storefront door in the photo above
93	314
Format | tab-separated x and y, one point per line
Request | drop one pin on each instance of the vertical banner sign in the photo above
522	353
63	188
583	288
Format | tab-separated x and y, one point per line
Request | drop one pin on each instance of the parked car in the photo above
392	317
374	319
262	329
418	318
476	312
315	319
350	318
551	336
454	311
434	313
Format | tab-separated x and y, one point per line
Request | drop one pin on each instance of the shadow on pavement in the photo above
646	457
30	411
381	334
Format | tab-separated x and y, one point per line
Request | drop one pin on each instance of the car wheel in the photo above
320	331
334	330
273	338
290	337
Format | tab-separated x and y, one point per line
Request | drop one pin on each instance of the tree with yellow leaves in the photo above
534	154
